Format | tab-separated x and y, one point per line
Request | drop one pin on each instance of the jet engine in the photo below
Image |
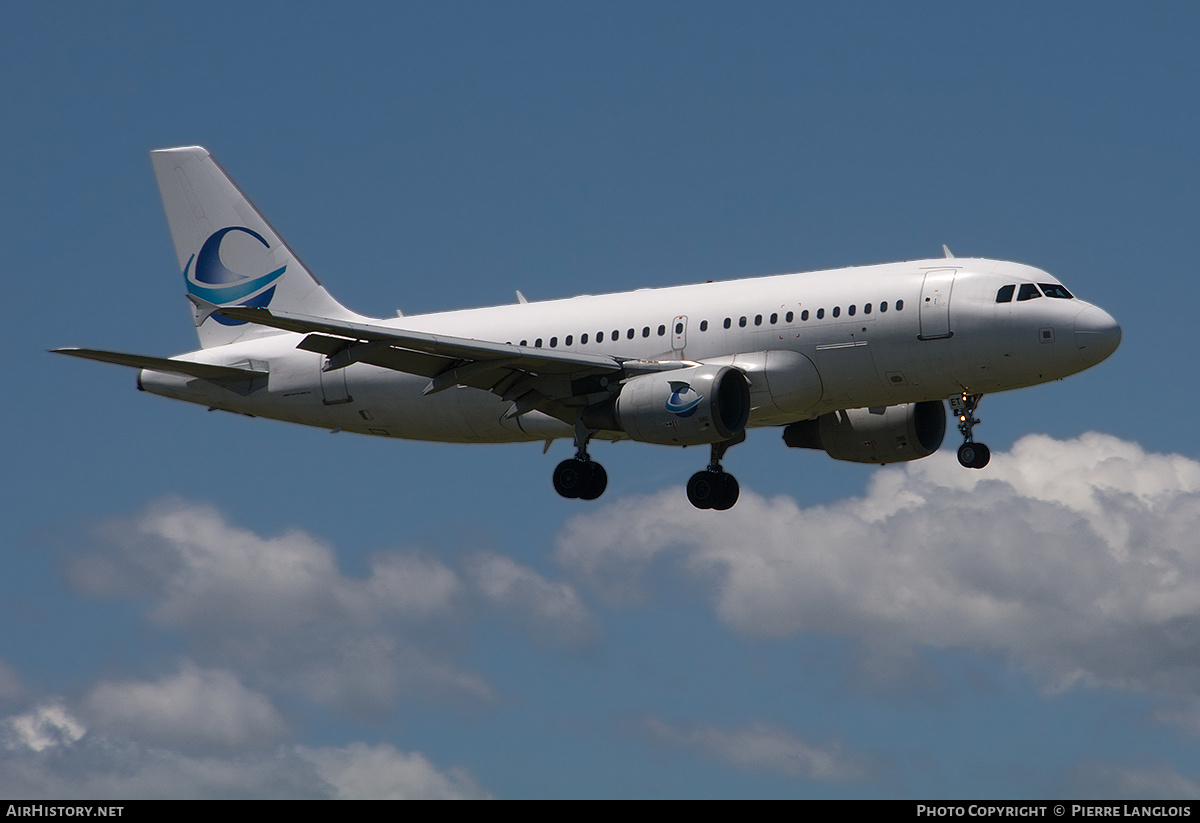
683	407
880	434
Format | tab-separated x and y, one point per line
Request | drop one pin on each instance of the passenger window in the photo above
837	310
629	334
703	325
728	323
524	342
616	335
789	317
646	331
537	344
742	321
774	319
804	314
663	330
758	319
1028	292
1055	290
583	339
899	305
1005	294
867	309
850	311
599	337
553	342
567	342
883	306
820	314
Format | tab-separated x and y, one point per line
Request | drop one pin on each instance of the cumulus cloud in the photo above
360	771
49	753
758	747
46	726
280	606
1106	780
193	708
1075	558
552	610
201	569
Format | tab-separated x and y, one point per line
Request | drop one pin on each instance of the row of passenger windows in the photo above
1029	292
743	321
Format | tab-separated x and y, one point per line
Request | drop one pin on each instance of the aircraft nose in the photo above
1097	334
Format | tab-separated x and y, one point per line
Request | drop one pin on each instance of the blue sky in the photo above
206	605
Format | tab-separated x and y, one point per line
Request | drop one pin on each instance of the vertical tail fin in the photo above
228	252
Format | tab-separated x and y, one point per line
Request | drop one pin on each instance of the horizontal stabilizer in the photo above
204	371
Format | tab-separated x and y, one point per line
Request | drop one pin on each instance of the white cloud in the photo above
49	753
759	747
46	726
1105	780
280	607
192	708
1076	558
553	610
203	570
360	771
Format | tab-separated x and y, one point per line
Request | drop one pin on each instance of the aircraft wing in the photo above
534	378
187	368
456	348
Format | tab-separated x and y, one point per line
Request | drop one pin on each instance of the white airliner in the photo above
854	361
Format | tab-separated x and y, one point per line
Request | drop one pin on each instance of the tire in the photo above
595	481
729	492
974	455
982	456
570	478
703	490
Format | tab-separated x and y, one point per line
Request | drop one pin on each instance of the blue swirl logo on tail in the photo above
212	281
680	405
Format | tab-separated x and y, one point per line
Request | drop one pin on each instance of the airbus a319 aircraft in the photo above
856	361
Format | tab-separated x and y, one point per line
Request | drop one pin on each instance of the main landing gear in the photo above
580	477
971	455
714	488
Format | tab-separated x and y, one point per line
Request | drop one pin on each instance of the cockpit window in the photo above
1055	290
1028	292
1005	294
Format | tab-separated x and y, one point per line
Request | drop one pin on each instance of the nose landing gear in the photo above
971	455
714	488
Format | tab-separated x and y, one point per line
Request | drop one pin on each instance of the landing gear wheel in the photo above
974	455
729	492
580	479
596	481
712	490
570	478
702	489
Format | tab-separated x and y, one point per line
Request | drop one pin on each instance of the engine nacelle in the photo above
880	434
682	407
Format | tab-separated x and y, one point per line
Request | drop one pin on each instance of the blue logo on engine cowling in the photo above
681	404
213	282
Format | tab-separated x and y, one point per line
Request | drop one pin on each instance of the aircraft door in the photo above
679	332
935	304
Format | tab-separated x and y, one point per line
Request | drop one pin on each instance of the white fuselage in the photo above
876	335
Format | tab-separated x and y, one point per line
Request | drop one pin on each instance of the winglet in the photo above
947	251
521	297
